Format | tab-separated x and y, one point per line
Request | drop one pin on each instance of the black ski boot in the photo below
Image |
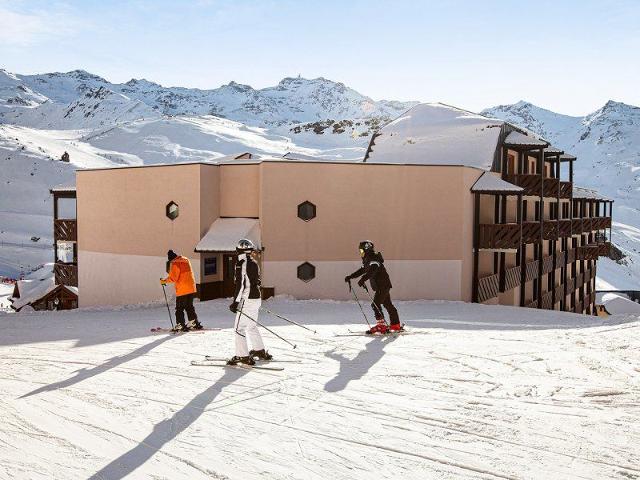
180	327
235	360
261	355
194	325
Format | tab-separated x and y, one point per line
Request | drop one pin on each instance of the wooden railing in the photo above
511	278
587	225
550	230
571	255
551	187
533	304
600	223
66	274
530	232
587	252
576	226
531	270
547	301
564	228
488	287
561	258
566	189
547	264
571	285
604	249
529	183
65	230
579	280
499	236
579	307
559	290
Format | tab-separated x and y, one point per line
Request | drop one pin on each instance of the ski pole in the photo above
167	302
375	305
268	329
286	319
359	304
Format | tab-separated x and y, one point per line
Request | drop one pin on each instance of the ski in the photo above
168	330
208	363
210	358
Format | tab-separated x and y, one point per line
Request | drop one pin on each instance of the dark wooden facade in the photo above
566	242
65	230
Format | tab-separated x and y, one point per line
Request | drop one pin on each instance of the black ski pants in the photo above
382	298
185	302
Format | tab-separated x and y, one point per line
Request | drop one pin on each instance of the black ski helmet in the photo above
365	247
245	246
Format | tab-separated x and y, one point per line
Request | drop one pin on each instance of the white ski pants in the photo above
247	329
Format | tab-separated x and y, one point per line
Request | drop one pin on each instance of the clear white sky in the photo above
567	55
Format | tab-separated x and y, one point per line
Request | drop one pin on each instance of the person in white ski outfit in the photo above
246	306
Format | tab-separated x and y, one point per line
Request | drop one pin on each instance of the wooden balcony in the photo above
561	259
579	280
529	183
571	255
579	307
587	225
547	301
576	226
551	187
66	274
559	291
530	232
504	236
511	278
531	270
533	304
604	249
566	189
550	230
587	252
600	223
571	285
564	228
488	287
547	264
65	230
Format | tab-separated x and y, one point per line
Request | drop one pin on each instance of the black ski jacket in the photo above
373	270
247	278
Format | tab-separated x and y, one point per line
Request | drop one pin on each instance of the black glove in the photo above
234	307
361	282
347	278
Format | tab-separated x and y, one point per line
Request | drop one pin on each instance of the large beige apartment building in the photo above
462	206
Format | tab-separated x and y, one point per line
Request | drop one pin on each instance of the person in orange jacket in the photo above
181	275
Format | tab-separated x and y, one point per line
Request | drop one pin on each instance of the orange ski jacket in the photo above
182	276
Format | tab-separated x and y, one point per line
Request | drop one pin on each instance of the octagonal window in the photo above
172	210
306	272
306	211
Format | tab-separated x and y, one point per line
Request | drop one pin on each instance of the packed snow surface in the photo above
474	392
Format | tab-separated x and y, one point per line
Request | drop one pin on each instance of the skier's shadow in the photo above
166	430
86	373
356	368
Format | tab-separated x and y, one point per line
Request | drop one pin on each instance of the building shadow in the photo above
355	368
166	430
113	362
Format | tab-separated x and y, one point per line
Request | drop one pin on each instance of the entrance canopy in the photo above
224	234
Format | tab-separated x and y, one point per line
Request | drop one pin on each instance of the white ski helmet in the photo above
245	245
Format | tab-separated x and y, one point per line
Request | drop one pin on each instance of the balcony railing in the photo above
559	290
65	230
488	287
566	189
564	228
579	280
579	307
533	304
571	285
587	252
547	301
604	249
600	223
561	258
66	274
547	264
531	270
511	278
551	187
529	183
530	232
576	226
499	236
571	255
550	230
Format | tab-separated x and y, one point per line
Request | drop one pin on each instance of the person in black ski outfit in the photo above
373	270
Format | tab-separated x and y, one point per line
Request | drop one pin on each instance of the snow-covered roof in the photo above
521	140
64	188
565	157
33	290
489	182
588	193
437	134
551	150
618	304
224	234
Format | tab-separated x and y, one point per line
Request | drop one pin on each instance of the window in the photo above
306	272
65	252
172	210
306	211
511	164
211	266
